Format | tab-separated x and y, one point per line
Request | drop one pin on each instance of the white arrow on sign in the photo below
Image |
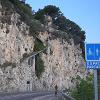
90	51
97	51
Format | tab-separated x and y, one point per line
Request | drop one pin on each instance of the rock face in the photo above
63	60
63	63
14	43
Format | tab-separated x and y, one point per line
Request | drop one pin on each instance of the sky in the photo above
85	13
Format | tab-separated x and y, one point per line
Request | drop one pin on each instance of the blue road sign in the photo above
97	52
92	53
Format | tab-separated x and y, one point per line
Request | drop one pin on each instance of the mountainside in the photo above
34	54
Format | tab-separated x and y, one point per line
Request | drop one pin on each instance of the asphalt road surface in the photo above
32	96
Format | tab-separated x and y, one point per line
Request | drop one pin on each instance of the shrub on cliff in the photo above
39	66
27	16
19	5
50	10
38	45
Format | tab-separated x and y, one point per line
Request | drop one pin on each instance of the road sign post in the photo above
98	74
92	54
95	85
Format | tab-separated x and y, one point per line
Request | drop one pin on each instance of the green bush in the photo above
39	66
50	10
22	7
84	89
35	27
38	45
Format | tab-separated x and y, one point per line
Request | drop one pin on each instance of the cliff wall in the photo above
62	59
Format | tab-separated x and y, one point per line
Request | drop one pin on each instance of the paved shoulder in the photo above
50	97
40	95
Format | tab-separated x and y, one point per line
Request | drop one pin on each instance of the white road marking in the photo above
97	51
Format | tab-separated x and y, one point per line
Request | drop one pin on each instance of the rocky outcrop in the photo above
14	43
63	59
63	62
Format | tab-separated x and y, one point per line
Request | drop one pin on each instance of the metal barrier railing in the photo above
67	96
89	95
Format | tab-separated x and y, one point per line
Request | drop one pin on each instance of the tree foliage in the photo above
70	27
22	7
84	89
50	10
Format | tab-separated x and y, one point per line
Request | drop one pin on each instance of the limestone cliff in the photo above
14	43
62	59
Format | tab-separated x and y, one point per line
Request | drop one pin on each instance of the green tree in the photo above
50	10
84	89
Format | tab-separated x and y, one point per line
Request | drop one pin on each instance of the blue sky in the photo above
86	13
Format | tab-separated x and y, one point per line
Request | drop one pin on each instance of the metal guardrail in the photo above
67	97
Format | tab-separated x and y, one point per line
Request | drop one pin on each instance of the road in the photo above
32	96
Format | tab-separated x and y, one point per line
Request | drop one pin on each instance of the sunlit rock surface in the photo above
63	60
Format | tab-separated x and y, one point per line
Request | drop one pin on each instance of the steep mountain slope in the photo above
34	55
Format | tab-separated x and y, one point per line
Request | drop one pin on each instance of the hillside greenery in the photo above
84	89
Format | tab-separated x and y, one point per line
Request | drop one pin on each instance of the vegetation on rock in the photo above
50	10
38	45
63	24
27	16
39	66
